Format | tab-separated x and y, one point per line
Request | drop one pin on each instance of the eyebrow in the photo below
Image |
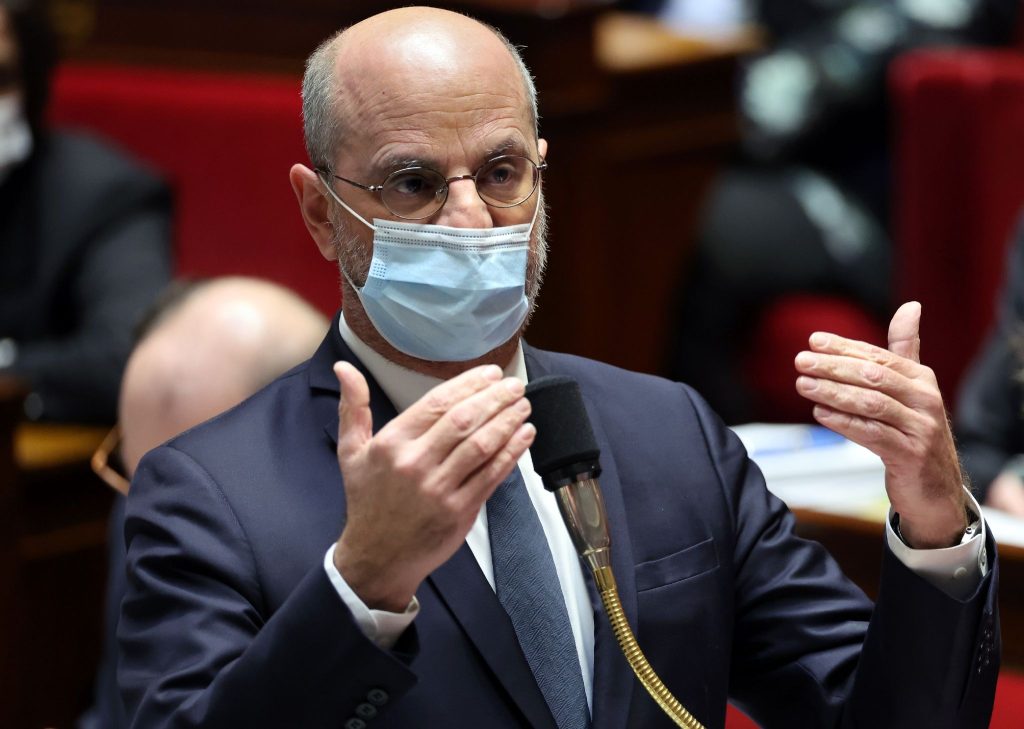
510	145
392	162
396	161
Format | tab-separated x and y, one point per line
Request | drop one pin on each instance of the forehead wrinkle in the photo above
424	137
475	148
387	105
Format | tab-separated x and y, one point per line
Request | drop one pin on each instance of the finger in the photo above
479	485
355	421
853	400
426	411
904	331
827	343
479	447
466	417
876	436
865	374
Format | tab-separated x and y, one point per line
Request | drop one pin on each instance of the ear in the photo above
315	206
542	148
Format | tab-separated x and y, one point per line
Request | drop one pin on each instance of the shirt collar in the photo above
404	386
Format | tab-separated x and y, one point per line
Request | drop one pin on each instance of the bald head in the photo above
415	87
225	340
357	73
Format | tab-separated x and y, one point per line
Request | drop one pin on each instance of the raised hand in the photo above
887	401
414	489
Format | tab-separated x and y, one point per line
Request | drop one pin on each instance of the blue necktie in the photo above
527	587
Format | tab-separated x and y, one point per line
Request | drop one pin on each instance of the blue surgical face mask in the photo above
445	294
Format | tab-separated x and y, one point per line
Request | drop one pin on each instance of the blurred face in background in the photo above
15	132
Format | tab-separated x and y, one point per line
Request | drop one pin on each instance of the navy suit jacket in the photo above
230	619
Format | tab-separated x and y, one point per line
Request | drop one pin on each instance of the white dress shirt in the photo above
956	570
404	387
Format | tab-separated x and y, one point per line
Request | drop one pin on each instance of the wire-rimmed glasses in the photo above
414	193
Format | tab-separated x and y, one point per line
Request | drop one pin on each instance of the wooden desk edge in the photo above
39	446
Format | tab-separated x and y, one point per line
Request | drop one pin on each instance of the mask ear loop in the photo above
343	204
536	210
360	218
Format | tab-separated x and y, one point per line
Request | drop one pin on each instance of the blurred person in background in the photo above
990	412
206	346
805	208
84	240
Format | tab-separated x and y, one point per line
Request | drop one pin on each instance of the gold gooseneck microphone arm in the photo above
566	456
582	510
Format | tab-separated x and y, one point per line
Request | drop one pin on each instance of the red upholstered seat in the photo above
736	719
782	331
960	185
1009	709
225	142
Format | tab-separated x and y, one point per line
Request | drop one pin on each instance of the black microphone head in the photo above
565	446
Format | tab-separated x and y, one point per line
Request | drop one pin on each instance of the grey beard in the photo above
353	258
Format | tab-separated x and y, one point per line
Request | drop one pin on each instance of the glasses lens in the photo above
413	193
507	181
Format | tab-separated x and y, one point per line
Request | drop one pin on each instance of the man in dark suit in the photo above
246	608
85	240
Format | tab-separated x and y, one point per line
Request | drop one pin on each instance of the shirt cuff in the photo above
381	626
957	570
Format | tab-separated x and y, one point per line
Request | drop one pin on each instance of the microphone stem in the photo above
606	586
582	509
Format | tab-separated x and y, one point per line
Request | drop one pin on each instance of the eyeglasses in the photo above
414	193
102	458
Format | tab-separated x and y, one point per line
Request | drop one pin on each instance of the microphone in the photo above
566	456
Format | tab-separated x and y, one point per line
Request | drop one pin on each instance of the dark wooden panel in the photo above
258	35
52	568
12	395
625	189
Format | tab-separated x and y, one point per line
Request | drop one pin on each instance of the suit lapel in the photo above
613	678
464	589
322	377
459	582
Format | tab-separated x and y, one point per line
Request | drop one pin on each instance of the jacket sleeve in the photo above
808	648
114	279
200	648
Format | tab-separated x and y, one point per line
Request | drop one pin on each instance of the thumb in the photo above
904	331
355	422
